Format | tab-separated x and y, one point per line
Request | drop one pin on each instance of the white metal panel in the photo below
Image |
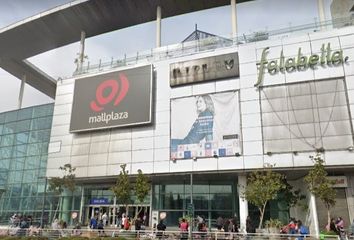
98	159
252	148
143	156
120	145
161	154
162	142
119	157
252	134
253	162
142	143
82	160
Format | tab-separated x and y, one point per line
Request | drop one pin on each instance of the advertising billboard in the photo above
115	99
204	69
205	126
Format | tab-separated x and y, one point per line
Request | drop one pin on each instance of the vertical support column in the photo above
158	26
22	88
114	210
44	200
233	18
82	202
82	51
350	196
191	206
314	214
66	207
242	183
321	13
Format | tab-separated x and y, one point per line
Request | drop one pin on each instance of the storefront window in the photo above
209	201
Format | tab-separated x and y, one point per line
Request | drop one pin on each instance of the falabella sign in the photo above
115	99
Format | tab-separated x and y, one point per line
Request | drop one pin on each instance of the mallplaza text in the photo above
300	63
107	117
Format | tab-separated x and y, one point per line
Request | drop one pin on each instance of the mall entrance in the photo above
114	213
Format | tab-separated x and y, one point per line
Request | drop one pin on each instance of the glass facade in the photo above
24	138
210	199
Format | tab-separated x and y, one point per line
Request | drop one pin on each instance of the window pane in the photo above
41	111
25	113
40	136
2	117
220	188
23	126
15	176
7	140
200	201
221	201
21	138
34	149
30	176
11	116
20	150
41	123
9	128
5	152
17	164
4	164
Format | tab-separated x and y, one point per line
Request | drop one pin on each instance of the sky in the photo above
252	16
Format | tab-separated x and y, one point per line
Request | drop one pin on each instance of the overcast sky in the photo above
252	16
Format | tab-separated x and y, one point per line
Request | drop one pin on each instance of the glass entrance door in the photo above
115	212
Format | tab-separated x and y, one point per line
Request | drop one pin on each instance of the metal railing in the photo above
153	234
209	44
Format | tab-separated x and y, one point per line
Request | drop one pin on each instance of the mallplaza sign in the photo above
115	99
299	63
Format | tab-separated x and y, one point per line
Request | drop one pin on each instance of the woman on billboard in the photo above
202	127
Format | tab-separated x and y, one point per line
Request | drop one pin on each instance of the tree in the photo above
142	187
320	186
59	184
263	186
122	188
290	195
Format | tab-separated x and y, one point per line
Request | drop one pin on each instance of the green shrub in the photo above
22	238
74	238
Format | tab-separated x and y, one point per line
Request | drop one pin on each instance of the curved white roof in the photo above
63	25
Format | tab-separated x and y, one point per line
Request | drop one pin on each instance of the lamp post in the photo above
44	199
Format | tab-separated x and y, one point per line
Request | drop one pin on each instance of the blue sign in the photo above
99	201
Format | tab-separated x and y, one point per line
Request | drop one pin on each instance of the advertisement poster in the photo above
205	126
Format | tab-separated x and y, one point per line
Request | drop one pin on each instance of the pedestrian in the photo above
302	230
161	227
93	223
123	220
126	225
219	223
249	225
100	227
183	227
104	219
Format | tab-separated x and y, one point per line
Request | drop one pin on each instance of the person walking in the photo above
161	227
183	227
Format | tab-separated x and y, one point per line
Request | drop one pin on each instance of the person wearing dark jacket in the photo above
249	225
161	227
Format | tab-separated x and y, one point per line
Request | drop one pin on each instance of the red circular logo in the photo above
117	93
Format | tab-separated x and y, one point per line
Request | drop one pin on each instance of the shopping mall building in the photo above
196	118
